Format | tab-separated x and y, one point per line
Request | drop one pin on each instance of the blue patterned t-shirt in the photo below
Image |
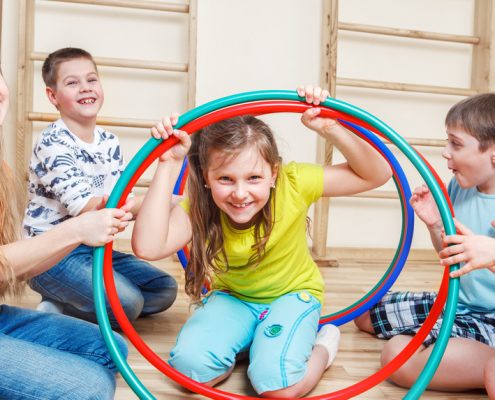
66	172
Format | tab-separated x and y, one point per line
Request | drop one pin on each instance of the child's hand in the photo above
96	228
328	128
179	150
130	204
476	251
164	128
314	95
425	207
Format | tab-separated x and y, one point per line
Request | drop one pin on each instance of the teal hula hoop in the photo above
449	314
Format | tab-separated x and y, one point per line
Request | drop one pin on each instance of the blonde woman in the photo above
45	355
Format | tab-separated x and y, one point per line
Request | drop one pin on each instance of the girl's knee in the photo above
291	392
199	364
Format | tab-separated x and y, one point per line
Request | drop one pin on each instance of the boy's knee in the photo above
391	349
489	377
404	376
363	323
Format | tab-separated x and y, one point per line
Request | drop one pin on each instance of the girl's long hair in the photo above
11	211
230	137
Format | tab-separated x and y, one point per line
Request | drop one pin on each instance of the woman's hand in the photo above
96	228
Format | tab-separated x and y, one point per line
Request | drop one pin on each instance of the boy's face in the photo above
471	167
78	94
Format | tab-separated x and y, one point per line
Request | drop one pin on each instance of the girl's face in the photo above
470	166
240	185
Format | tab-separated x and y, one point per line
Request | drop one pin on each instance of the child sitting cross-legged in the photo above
73	169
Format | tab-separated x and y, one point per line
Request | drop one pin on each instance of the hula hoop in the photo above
356	115
178	190
400	180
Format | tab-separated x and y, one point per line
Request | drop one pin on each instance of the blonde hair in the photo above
11	210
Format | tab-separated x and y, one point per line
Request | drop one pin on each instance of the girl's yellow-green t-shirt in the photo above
287	265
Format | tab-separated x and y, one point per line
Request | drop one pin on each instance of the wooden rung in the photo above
406	87
104	121
127	63
139	4
143	183
426	142
408	33
148	123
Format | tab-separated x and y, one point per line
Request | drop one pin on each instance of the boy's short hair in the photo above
49	70
476	115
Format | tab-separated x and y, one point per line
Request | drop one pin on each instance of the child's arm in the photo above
476	251
94	204
161	227
365	168
33	256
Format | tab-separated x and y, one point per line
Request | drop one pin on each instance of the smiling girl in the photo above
245	218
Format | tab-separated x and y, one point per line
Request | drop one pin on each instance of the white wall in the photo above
269	44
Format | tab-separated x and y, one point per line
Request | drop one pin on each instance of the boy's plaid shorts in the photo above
403	313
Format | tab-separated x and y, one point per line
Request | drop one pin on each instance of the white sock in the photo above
329	337
50	306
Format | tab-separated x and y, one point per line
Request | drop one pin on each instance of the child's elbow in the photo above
383	175
144	251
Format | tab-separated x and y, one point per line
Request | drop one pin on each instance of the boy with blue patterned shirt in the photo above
470	155
73	169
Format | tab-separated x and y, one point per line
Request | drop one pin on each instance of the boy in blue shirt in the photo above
73	169
470	353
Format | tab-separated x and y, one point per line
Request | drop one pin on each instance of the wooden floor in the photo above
358	355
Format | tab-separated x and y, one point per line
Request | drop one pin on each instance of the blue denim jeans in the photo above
142	288
52	356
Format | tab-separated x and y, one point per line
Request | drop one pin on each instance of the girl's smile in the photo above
240	184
